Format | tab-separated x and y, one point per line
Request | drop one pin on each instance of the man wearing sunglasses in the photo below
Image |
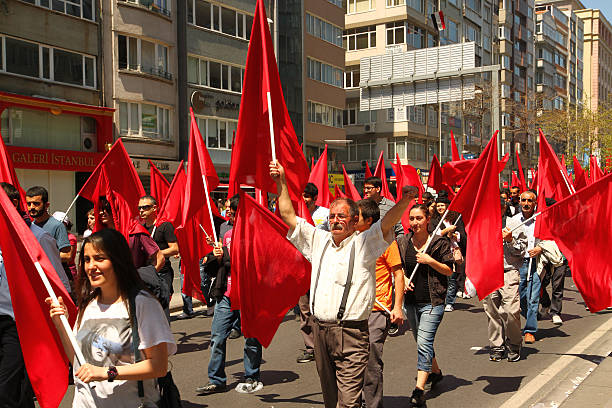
529	287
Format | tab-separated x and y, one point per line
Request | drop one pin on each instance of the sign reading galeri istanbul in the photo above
48	159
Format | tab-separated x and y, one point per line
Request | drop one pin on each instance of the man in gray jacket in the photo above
503	305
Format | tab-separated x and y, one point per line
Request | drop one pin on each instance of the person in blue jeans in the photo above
529	287
217	264
424	301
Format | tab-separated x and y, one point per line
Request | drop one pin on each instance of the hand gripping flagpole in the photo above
65	324
429	239
212	221
272	143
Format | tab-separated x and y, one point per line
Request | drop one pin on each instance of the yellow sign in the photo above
335	179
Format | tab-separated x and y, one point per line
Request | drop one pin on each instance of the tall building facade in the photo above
311	66
51	102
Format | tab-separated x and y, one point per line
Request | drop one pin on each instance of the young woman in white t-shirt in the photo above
106	279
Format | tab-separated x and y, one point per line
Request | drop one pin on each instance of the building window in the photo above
407	149
358	6
471	32
474	5
351	78
214	74
144	120
217	133
350	114
394	3
158	6
47	63
396	32
144	56
453	32
323	30
359	38
206	14
336	3
324	114
415	37
416	114
77	8
320	71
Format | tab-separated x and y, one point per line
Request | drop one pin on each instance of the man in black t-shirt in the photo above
163	235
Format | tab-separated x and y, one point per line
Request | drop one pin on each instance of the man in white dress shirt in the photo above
342	288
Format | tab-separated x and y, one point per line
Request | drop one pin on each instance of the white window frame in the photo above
73	2
159	111
311	66
240	14
203	126
229	70
371	6
139	66
346	37
51	76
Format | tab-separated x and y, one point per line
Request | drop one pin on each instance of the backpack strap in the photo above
347	286
136	340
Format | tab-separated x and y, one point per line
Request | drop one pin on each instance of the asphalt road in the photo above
461	347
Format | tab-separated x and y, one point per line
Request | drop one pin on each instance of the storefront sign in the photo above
142	166
48	159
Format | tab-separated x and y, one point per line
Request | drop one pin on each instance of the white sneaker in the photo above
466	296
249	386
448	308
459	294
556	319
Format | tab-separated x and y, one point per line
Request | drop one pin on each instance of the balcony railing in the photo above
149	5
159	72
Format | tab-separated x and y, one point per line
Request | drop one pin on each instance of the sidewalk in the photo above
596	390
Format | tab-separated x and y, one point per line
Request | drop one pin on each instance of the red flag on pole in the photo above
381	173
580	177
587	253
534	180
552	179
349	188
259	275
172	208
252	150
454	150
7	172
523	184
594	170
338	192
159	184
115	178
515	181
478	203
368	172
320	178
43	353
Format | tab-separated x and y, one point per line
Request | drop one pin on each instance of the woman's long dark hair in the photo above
113	244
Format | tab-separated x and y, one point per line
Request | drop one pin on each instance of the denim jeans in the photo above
530	295
222	324
187	301
451	292
424	320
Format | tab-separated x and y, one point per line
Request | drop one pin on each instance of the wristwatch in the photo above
112	373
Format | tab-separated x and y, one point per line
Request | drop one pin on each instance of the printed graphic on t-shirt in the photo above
106	342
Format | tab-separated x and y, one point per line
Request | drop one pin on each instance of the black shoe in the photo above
210	388
234	334
306	356
514	356
417	399
184	316
435	378
496	354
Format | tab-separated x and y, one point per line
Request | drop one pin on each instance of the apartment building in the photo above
311	66
139	45
51	104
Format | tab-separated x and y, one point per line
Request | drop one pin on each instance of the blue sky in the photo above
603	5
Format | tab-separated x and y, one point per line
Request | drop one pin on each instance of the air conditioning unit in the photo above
370	128
89	142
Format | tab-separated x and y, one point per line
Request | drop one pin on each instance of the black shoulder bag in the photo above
169	393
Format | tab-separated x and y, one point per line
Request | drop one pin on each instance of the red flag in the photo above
523	184
381	173
435	175
515	181
7	172
349	188
454	150
320	178
172	208
302	211
587	253
594	170
252	151
534	180
116	179
338	192
580	177
406	175
478	203
43	353
552	179
455	172
262	197
159	185
368	172
264	285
